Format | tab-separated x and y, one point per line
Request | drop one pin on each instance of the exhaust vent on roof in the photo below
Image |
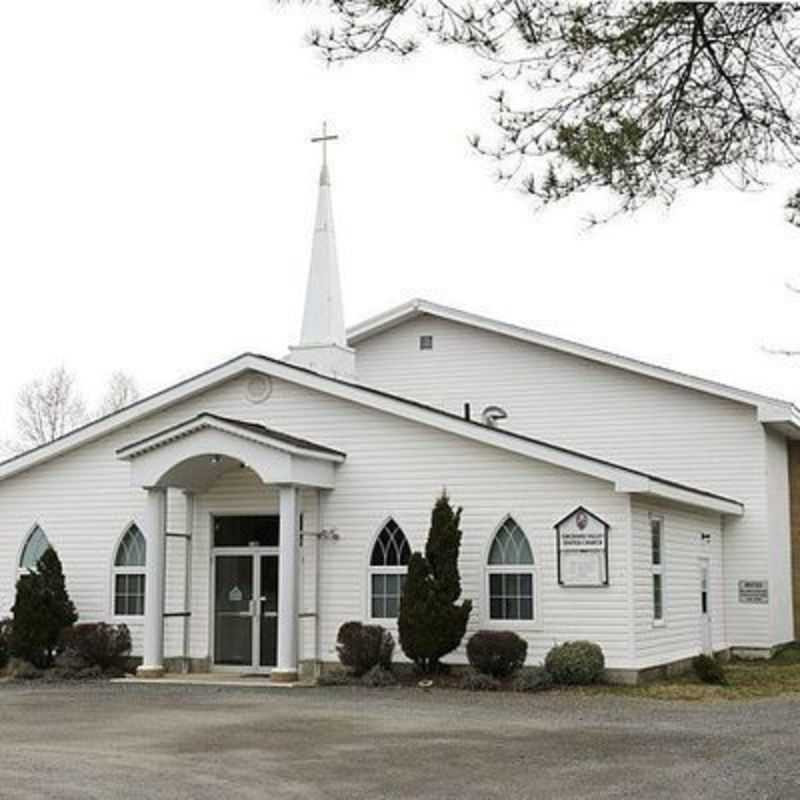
493	415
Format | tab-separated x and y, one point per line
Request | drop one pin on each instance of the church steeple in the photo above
323	342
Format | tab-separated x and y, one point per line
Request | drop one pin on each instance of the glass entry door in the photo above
245	620
268	607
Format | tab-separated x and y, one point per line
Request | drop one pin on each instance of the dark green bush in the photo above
5	642
496	653
362	647
709	670
98	644
431	624
474	681
533	679
379	676
575	663
42	609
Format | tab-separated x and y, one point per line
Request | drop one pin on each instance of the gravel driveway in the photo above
133	741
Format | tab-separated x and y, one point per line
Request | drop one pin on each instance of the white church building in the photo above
235	520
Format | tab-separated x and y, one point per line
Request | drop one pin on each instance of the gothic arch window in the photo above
388	565
36	545
511	574
129	574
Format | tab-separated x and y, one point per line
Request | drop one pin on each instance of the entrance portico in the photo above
191	457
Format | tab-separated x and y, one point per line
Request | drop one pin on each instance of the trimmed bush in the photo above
533	679
98	644
42	609
709	670
431	624
496	653
5	642
378	677
575	663
474	681
362	647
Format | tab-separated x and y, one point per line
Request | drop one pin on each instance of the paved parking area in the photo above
132	741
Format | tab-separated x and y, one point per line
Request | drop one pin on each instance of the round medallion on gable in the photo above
258	388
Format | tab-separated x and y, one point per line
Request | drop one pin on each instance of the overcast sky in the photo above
157	193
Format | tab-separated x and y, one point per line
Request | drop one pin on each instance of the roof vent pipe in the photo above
493	415
467	412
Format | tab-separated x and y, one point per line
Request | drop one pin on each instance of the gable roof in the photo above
771	411
623	478
252	430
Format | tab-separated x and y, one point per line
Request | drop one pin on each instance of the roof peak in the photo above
418	305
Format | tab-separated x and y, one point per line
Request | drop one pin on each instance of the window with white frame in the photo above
36	545
657	566
388	565
511	576
129	574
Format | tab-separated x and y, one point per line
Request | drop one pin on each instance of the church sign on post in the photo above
582	549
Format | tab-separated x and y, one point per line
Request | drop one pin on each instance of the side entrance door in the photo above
245	609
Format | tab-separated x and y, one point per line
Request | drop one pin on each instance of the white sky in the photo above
157	193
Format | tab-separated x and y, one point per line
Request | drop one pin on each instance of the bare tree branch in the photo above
122	391
642	99
48	408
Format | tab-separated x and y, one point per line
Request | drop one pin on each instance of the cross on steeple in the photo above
324	139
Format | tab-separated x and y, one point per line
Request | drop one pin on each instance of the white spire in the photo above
323	342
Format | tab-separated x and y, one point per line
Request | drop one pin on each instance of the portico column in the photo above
286	669
153	661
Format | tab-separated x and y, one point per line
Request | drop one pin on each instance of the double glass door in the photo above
246	609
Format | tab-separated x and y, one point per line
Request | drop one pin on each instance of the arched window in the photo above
35	547
388	565
129	574
511	574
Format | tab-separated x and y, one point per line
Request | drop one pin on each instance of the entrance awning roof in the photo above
250	430
193	454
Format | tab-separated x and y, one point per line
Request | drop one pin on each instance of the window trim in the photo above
382	570
133	619
657	569
19	569
534	624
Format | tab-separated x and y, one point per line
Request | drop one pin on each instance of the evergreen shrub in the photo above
496	653
709	670
431	624
362	647
575	663
98	644
42	610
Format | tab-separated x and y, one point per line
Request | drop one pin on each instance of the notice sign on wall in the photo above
754	592
582	545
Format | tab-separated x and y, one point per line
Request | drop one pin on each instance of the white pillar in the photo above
286	669
153	661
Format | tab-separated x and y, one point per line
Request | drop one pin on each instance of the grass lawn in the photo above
746	679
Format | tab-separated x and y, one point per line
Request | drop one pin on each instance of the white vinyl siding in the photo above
687	537
661	428
779	540
84	501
